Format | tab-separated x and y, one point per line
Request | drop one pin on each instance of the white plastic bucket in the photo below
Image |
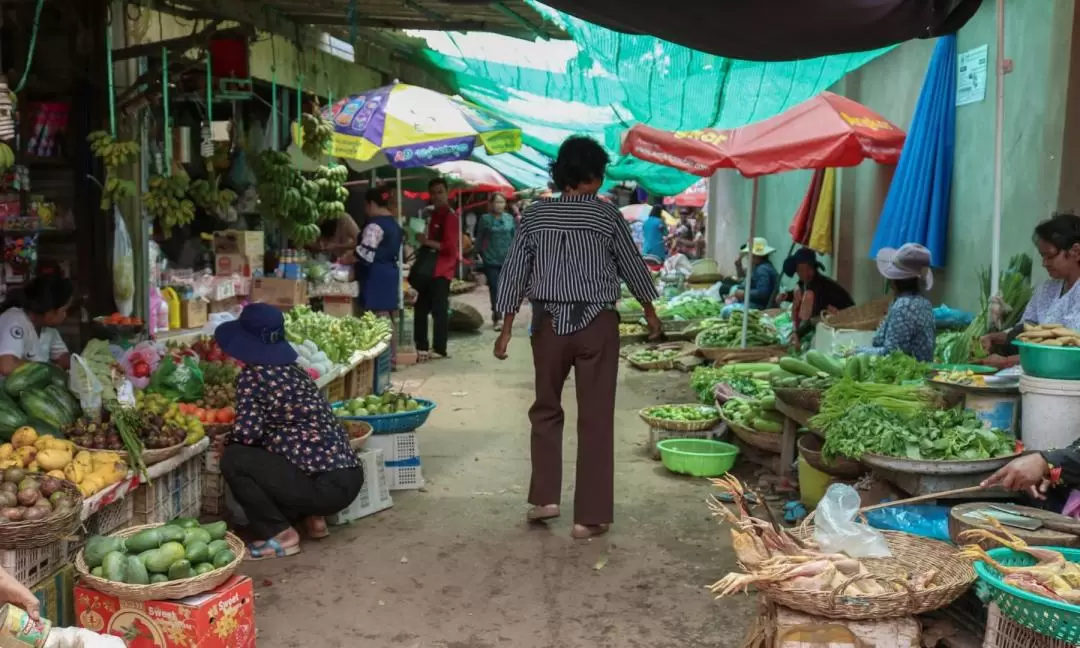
1050	416
996	411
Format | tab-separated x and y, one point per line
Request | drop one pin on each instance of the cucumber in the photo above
751	367
796	366
767	426
865	367
825	363
853	369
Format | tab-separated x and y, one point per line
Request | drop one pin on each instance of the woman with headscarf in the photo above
815	293
1056	300
909	325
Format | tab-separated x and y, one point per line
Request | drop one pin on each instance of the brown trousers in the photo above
593	352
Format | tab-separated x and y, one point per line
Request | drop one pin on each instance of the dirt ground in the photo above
455	565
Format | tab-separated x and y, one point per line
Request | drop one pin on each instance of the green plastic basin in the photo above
697	457
1042	361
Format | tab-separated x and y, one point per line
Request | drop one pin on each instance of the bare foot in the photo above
541	513
584	532
316	527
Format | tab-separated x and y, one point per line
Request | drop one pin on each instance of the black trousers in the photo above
275	494
433	300
492	272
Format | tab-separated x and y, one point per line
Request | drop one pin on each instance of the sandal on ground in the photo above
423	356
316	528
541	513
584	532
271	549
440	356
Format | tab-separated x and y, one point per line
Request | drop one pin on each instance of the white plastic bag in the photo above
123	266
215	320
81	638
83	383
836	530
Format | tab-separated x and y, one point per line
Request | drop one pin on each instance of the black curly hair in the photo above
1062	230
581	160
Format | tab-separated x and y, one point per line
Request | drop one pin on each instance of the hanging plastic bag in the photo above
123	266
836	530
180	381
86	386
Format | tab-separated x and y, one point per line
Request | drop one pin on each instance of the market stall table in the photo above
794	418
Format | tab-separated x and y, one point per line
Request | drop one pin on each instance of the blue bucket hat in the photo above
257	337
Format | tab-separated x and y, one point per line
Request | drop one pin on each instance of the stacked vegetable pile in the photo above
719	384
1015	286
628	306
720	334
388	403
1049	335
35	394
29	453
682	413
896	368
338	337
28	497
817	371
651	356
690	306
756	414
628	330
179	417
175	551
902	421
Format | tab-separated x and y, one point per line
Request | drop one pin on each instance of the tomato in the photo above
222	416
140	370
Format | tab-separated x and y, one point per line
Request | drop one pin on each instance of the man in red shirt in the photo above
433	297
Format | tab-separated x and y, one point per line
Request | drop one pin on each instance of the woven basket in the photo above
462	288
149	457
31	534
162	591
678	426
866	317
631	318
705	278
704	267
753	438
842	468
359	433
804	399
725	355
659	365
912	555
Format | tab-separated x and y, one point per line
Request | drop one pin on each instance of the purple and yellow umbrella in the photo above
406	126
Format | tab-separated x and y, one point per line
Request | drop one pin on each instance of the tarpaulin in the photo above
825	131
778	30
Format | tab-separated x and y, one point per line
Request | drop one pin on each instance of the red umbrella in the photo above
825	131
694	196
473	176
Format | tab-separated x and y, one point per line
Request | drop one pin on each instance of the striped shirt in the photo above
570	256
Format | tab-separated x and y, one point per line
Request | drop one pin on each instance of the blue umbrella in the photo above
917	207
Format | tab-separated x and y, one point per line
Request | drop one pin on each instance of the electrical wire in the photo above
33	46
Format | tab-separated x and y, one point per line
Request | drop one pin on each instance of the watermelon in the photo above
40	405
11	419
64	398
29	375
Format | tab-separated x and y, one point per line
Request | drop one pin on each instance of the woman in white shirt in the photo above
1056	300
27	321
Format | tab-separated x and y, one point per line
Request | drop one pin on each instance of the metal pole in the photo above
401	262
750	258
460	238
999	128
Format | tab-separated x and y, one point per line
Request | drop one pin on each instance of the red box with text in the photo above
221	618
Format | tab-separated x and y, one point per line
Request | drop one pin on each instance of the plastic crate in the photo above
31	566
360	381
113	517
213	496
335	391
1003	632
175	494
384	365
373	497
404	475
395	447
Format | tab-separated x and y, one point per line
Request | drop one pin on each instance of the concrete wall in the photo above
1039	40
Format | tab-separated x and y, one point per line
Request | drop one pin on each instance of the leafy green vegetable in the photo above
682	412
693	307
741	378
841	398
728	333
338	337
896	369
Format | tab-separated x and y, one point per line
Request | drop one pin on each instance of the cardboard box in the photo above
57	596
222	618
193	313
338	306
229	264
224	305
250	244
279	292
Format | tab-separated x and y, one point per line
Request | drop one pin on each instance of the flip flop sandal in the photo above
727	498
423	356
271	549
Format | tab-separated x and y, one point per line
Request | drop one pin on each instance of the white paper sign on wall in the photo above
971	75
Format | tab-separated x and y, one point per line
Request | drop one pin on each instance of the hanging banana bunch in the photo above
113	154
167	201
318	133
7	157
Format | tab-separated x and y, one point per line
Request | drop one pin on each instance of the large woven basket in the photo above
726	355
678	426
31	534
804	399
149	457
753	438
912	555
865	317
162	591
840	467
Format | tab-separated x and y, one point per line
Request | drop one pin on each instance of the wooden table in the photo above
794	418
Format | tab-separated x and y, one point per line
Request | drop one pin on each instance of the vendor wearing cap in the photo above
287	457
764	278
909	324
815	293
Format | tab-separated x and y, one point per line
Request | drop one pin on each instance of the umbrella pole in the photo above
999	127
401	264
460	238
750	258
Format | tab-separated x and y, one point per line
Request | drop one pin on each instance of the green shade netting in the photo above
601	82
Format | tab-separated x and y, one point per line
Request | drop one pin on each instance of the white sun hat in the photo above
910	261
